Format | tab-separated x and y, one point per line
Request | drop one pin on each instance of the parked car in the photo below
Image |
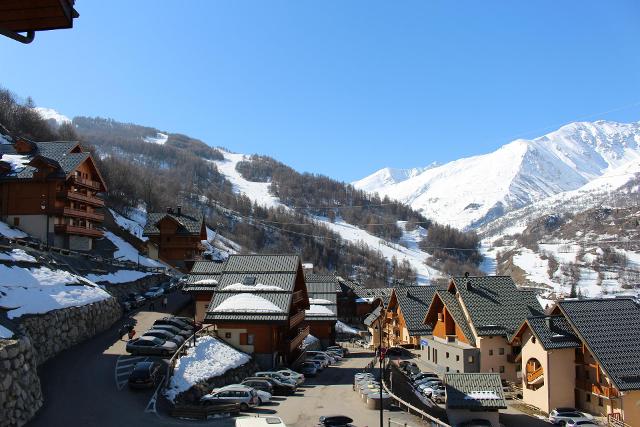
429	388
153	292
396	351
151	346
324	362
309	369
438	394
221	406
319	364
135	300
187	320
334	354
561	415
402	365
411	370
422	375
268	421
172	329
426	382
335	421
292	375
173	321
144	375
165	335
279	388
330	358
277	376
245	396
259	384
343	350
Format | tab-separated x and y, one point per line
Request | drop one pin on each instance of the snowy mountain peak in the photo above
473	191
51	114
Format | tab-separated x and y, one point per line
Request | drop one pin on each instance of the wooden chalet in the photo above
404	316
29	16
175	237
323	308
258	306
201	283
51	190
584	354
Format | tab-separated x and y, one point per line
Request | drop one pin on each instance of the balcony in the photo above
296	319
79	197
597	389
82	231
77	213
296	341
94	185
535	375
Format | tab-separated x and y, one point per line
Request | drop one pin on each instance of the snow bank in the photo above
133	227
209	358
345	329
127	252
5	333
17	255
120	276
39	290
318	310
247	302
11	233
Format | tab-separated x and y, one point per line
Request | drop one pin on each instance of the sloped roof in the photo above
414	301
249	313
494	303
610	328
366	294
373	316
553	332
474	391
285	281
58	151
263	263
453	307
190	223
207	267
322	293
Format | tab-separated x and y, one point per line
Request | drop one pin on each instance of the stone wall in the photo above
57	330
20	392
121	290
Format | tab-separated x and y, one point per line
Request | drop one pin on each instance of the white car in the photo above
268	421
438	394
293	375
581	423
428	389
561	416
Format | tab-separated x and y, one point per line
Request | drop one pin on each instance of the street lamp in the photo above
43	207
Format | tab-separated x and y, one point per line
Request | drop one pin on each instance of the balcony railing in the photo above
77	196
534	375
597	389
296	341
298	296
296	319
77	213
72	229
94	185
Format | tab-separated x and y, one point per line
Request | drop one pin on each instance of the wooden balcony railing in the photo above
94	185
296	341
296	319
77	213
298	296
534	375
79	197
72	229
597	389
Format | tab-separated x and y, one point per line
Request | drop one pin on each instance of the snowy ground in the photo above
134	227
127	252
120	276
5	333
11	233
210	358
39	290
17	255
345	329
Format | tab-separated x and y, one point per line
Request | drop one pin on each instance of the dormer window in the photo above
249	280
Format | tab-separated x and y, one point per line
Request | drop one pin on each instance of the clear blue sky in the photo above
339	87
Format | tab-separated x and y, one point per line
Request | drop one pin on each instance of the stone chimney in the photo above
179	210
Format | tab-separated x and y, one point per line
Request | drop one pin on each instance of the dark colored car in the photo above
279	388
411	370
135	300
259	384
144	375
174	330
173	321
151	346
335	421
165	335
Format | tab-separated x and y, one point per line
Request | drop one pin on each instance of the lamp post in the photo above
43	207
381	356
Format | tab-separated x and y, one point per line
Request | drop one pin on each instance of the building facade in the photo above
51	190
405	313
323	307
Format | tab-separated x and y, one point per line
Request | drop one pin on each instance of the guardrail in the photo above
433	421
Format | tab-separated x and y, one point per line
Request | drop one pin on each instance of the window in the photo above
491	370
502	369
457	358
599	401
447	355
587	397
470	359
457	371
16	221
501	351
227	334
447	369
490	352
533	340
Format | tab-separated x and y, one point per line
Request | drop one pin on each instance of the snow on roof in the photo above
120	276
318	310
5	139
345	329
206	282
39	290
482	395
308	340
17	255
319	301
247	302
17	161
257	287
128	252
5	333
209	358
11	233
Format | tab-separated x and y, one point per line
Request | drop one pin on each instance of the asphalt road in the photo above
81	386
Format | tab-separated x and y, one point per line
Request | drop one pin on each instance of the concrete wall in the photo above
458	360
631	407
80	243
492	361
35	225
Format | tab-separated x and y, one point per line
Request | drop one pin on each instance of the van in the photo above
269	421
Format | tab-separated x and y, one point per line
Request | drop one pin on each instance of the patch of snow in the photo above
120	276
206	282
5	333
345	329
159	139
249	288
133	227
17	255
51	114
319	310
309	340
208	359
535	268
247	302
5	139
39	290
319	301
127	252
17	161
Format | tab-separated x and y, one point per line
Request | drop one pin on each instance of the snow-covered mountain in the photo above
472	191
52	115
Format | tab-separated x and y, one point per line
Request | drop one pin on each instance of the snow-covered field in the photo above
209	358
39	290
134	227
127	252
120	276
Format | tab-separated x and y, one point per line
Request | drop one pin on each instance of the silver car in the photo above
151	346
562	416
165	335
247	397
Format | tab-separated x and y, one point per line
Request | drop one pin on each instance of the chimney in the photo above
466	274
179	210
169	210
549	321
